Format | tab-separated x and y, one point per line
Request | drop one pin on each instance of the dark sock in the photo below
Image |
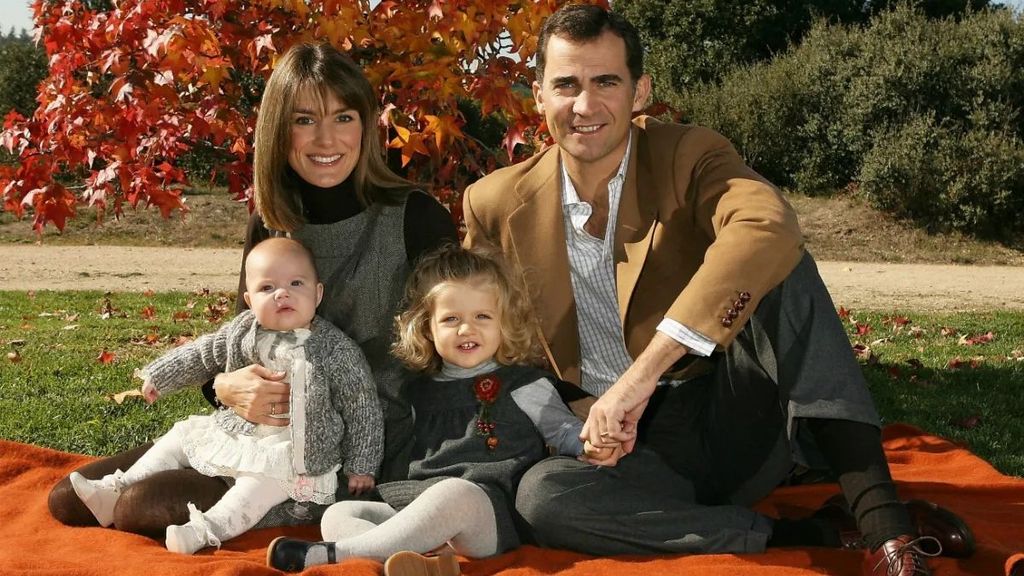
854	452
803	532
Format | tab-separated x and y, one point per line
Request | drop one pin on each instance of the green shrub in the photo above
947	179
924	116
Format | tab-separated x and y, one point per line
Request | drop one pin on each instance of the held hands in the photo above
255	393
359	484
608	456
614	417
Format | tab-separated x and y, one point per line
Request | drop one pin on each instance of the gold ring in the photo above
273	408
604	434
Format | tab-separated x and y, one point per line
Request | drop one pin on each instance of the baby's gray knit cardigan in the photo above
342	423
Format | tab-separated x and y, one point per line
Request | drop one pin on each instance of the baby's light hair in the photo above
452	264
285	245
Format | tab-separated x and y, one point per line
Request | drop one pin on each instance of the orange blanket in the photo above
31	542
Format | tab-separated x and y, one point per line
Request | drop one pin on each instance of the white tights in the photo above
241	507
452	511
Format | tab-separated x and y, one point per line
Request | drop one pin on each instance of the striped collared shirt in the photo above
592	270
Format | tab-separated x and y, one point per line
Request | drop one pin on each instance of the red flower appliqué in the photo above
486	389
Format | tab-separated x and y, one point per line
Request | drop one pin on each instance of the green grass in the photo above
58	394
923	373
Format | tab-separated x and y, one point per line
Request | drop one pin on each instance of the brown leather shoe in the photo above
901	556
949	530
948	535
408	563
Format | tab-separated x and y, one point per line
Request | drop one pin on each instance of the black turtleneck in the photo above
330	205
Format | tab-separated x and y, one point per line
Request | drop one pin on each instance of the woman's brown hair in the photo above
325	69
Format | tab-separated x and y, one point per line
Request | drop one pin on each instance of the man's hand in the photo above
614	417
359	484
255	393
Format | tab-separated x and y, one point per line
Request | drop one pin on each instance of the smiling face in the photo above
587	97
465	323
326	137
281	286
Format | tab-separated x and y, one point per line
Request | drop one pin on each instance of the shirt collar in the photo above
569	194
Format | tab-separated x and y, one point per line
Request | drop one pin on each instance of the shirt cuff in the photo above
698	343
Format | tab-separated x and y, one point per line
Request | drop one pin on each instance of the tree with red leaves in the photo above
132	87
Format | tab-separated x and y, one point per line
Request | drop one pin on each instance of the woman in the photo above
320	177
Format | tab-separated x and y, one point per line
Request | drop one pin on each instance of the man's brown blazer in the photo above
696	228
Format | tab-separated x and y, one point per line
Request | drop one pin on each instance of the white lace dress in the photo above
267	452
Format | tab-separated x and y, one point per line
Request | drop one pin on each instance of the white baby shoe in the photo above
184	539
99	496
192	536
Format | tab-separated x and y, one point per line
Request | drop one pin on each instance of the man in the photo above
671	285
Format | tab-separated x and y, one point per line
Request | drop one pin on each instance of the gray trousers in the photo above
711	447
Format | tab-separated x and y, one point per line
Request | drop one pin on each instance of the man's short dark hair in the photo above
585	22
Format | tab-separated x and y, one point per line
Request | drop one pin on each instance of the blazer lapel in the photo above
635	229
537	234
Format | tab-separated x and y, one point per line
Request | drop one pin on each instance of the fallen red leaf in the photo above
148	312
14	356
862	329
148	293
978	339
897	322
844	314
864	353
181	316
947	331
105	357
955	363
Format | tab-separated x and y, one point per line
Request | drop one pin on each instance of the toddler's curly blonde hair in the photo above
452	264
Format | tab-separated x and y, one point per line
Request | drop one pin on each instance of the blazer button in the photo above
726	321
745	296
739	305
731	314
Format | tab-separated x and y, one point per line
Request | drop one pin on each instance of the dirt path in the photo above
853	284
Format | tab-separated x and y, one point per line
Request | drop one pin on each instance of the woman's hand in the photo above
255	393
359	484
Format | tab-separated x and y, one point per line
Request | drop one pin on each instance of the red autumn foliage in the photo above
132	89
